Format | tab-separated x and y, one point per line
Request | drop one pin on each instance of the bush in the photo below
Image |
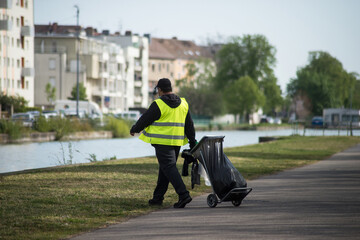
43	125
118	127
79	125
13	129
61	126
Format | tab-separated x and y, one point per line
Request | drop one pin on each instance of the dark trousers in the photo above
167	157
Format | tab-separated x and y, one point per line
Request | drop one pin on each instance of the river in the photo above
17	157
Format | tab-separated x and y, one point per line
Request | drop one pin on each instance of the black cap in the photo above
164	83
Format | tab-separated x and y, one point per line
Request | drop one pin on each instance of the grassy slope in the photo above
55	203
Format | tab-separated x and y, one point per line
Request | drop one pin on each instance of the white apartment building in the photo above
136	52
17	49
102	67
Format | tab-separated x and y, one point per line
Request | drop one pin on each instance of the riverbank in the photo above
51	136
58	202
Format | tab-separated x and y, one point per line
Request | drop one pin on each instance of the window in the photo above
167	68
27	84
18	63
18	84
153	67
159	67
52	64
12	83
18	43
52	81
119	67
18	22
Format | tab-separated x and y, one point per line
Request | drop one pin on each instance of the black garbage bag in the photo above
222	174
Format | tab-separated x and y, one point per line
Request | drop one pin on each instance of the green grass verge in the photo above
59	202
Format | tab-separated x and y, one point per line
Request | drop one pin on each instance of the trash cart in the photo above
226	181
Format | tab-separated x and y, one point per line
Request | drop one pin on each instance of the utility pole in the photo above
77	59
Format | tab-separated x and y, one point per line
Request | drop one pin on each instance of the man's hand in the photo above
132	134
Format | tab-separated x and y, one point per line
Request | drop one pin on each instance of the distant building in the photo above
169	58
17	49
136	53
102	67
338	117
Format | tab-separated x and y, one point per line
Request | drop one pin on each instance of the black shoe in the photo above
182	202
154	202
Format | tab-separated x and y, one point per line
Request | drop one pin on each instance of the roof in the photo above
55	29
176	49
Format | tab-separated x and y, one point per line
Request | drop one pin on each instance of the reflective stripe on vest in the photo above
169	129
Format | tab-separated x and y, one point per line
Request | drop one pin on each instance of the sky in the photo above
293	27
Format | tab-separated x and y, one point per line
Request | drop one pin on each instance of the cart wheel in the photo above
212	200
236	203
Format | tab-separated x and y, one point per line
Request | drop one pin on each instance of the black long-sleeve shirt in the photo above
154	113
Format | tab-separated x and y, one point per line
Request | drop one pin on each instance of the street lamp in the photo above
77	59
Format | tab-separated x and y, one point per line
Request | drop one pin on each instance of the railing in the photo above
58	49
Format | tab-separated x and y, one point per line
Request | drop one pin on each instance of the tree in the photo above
19	103
50	93
324	81
243	96
82	92
198	88
253	56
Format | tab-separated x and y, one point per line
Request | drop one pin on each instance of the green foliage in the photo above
82	92
118	127
199	91
18	102
50	93
253	56
43	125
61	126
324	81
13	129
355	95
243	96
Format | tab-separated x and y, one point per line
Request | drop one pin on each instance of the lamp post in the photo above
77	59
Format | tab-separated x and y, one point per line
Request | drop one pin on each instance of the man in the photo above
168	126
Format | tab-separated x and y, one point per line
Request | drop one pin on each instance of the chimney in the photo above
106	32
90	31
128	33
117	34
54	27
175	38
148	36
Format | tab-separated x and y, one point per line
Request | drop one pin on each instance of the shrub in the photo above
61	126
43	125
118	127
13	129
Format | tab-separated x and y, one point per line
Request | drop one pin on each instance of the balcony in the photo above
138	83
27	72
5	25
27	31
6	4
137	99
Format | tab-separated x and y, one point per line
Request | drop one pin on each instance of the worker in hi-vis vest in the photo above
167	125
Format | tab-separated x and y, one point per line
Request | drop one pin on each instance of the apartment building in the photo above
136	52
102	67
169	58
17	49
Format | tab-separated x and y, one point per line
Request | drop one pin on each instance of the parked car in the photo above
317	121
26	119
265	119
277	121
49	114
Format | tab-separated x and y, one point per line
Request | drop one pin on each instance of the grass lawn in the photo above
58	202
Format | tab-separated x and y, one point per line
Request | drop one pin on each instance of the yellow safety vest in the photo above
169	129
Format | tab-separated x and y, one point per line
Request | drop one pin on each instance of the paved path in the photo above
319	201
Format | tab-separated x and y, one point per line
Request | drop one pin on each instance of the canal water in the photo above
17	157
